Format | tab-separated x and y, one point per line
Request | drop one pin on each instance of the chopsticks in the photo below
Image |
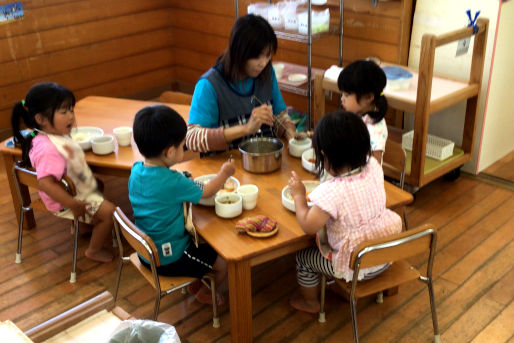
254	99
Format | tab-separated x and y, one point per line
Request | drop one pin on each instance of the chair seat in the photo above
167	282
398	273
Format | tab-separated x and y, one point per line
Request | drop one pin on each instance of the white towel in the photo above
333	72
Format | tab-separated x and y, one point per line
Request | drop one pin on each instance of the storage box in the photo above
437	148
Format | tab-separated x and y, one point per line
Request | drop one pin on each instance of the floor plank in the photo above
473	277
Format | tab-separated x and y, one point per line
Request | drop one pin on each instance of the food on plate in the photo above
306	195
79	137
229	185
256	224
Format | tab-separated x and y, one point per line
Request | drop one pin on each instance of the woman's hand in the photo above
296	186
260	115
78	208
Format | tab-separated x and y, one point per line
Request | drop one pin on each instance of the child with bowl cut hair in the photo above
157	194
348	208
362	84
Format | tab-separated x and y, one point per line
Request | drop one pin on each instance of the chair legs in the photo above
73	276
157	303
353	311
321	317
75	231
20	235
215	318
437	336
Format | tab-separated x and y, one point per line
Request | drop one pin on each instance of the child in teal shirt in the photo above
157	194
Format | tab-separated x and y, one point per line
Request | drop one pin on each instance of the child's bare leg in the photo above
220	273
307	300
101	234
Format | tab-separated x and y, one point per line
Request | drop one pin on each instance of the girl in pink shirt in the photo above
348	209
48	110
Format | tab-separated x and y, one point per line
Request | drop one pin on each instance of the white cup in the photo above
102	145
123	135
249	194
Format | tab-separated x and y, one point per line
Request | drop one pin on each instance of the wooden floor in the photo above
503	168
474	278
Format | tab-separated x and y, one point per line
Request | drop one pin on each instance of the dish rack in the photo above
437	148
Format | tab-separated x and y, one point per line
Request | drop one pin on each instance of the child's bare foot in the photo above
204	296
300	304
194	287
102	255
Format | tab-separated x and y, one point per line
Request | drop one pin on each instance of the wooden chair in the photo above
394	164
145	246
176	98
394	249
25	178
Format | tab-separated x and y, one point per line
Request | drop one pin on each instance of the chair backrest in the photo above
394	161
396	247
176	98
137	239
28	177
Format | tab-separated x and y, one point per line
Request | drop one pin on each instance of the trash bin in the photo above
144	331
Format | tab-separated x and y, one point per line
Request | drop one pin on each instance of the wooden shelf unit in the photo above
442	92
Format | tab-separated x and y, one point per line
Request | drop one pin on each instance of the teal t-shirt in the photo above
156	195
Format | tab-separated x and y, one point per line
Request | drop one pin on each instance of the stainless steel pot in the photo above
261	154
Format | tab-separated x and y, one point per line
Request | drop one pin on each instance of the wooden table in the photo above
240	251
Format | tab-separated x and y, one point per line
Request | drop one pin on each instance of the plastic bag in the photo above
144	331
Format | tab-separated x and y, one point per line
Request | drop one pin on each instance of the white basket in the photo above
437	147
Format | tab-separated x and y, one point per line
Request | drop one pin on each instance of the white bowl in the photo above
297	147
228	205
227	188
83	135
287	199
249	194
102	145
307	160
123	135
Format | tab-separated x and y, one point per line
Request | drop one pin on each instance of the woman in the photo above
239	97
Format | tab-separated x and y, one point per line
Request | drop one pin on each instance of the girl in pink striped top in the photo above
348	208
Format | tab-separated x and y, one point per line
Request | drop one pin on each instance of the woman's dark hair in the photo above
44	98
250	36
343	139
156	128
363	77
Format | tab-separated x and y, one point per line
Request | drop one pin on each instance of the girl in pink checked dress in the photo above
348	209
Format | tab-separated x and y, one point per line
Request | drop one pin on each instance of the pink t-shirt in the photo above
47	161
357	208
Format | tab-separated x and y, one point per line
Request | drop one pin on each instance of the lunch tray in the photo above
437	148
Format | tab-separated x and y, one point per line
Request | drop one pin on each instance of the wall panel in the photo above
110	48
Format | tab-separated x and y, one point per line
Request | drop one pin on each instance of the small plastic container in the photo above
397	78
274	17
437	148
320	22
259	8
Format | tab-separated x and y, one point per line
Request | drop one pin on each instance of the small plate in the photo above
298	77
206	178
262	234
